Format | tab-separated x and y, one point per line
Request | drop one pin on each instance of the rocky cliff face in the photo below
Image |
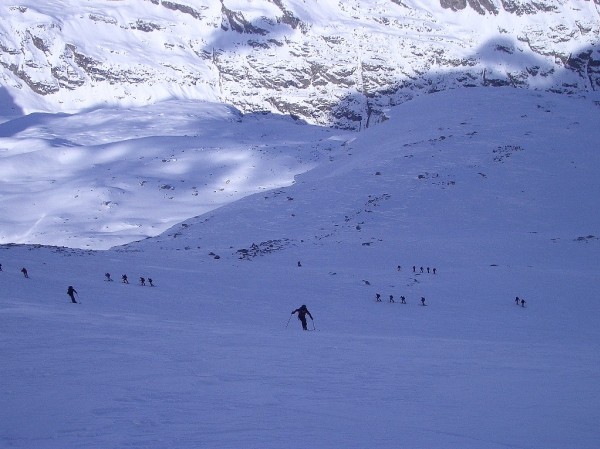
326	62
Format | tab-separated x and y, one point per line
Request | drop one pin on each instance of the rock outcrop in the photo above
330	63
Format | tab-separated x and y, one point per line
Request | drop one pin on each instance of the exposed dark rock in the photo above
262	248
481	6
234	20
288	17
521	8
143	25
182	8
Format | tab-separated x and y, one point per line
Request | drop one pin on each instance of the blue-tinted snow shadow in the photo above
8	107
17	125
578	73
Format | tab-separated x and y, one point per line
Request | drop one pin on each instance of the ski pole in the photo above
289	319
314	328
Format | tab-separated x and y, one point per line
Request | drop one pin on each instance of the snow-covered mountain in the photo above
326	61
184	142
88	86
211	356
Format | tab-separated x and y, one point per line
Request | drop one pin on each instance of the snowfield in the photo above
109	176
497	189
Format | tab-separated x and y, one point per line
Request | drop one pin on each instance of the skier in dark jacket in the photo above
302	312
71	292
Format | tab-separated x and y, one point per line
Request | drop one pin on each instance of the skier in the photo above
391	298
124	279
24	271
402	300
427	270
71	292
0	267
414	269
434	270
517	300
377	297
299	263
522	303
107	275
142	281
421	269
150	282
422	301
399	268
302	312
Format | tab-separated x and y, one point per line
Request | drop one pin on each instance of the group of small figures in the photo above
402	299
125	280
422	269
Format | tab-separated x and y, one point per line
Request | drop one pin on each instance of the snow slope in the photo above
110	176
501	204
